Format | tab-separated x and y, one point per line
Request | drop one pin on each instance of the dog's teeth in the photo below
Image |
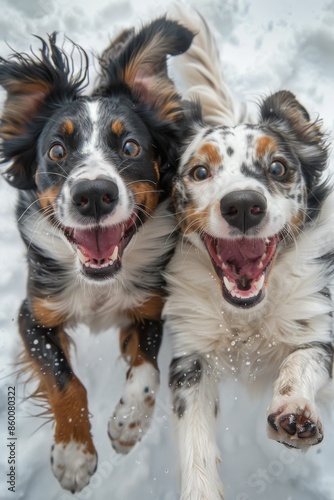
260	265
259	283
264	256
81	256
114	255
267	241
228	284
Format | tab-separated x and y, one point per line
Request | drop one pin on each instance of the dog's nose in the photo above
243	209
95	198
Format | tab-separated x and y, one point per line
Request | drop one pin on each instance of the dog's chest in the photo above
99	307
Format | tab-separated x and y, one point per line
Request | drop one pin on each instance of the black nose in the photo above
95	198
243	209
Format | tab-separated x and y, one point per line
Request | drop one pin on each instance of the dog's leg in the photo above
73	455
140	344
293	416
195	404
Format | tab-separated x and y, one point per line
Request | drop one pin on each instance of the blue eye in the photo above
277	169
200	173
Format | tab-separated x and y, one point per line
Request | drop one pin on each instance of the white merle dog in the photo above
253	269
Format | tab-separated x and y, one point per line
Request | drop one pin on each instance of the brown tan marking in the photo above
265	145
129	342
69	406
44	314
208	153
24	101
149	400
142	77
296	222
117	127
156	169
151	309
67	127
146	195
286	390
190	220
48	197
70	410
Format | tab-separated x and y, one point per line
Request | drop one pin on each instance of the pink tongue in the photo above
98	243
239	252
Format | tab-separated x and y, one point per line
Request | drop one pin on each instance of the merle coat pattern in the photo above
250	281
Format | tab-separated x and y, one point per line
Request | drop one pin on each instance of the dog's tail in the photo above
198	74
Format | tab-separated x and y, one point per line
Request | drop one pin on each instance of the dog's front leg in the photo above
73	455
140	344
293	416
195	404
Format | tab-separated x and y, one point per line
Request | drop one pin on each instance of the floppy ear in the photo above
138	62
282	111
35	86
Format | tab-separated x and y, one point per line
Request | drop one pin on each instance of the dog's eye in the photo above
200	173
277	169
57	152
131	148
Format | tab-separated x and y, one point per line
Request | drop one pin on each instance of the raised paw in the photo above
133	414
295	423
73	465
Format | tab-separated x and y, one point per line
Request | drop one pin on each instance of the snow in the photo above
265	46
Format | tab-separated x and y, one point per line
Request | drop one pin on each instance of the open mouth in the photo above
242	266
100	249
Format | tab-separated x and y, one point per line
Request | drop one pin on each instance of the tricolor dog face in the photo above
99	175
93	209
244	191
95	162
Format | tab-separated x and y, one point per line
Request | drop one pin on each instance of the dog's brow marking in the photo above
67	127
265	144
117	127
210	153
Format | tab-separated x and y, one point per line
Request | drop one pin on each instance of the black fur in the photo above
121	144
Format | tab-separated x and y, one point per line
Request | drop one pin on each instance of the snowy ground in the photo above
266	46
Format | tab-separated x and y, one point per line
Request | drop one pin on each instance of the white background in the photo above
265	46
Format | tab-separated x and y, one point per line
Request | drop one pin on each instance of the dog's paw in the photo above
295	423
133	414
73	465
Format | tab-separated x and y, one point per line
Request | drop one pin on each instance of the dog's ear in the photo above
283	112
138	62
35	87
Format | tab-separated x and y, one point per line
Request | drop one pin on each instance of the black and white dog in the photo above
250	281
93	214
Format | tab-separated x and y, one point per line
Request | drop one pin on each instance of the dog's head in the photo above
95	162
244	192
